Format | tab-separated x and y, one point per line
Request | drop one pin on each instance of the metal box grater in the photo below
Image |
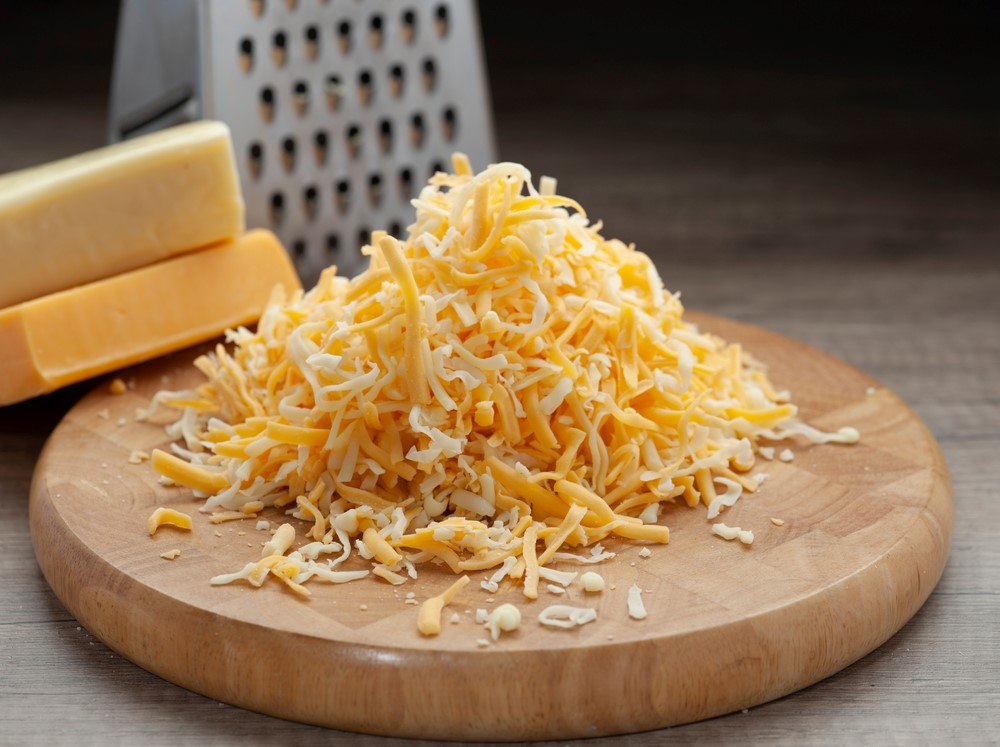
339	109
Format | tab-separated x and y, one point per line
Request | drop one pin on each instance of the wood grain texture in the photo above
866	534
854	212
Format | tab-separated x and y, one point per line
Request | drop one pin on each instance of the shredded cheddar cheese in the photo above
500	389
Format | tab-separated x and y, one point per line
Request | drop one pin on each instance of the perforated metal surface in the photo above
339	110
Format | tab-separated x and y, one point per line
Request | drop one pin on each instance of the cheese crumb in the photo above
263	525
593	583
482	643
730	533
455	618
555	589
117	386
104	413
636	609
786	455
505	618
171	554
645	552
137	457
766	451
777	522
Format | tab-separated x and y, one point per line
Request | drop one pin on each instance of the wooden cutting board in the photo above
865	537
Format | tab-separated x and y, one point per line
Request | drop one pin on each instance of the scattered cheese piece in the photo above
384	573
553	589
786	455
730	533
636	609
566	616
263	525
645	552
168	517
777	522
505	618
137	456
592	582
171	554
117	386
279	542
429	619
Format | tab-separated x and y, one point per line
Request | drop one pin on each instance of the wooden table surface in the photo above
861	215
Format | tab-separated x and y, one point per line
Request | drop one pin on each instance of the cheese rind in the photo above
117	208
72	335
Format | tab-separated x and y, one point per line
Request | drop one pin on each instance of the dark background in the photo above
751	109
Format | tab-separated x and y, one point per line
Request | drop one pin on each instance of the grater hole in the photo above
310	201
364	236
300	97
396	80
375	189
449	122
311	34
299	248
396	229
385	135
288	153
267	103
334	91
428	74
255	159
332	243
418	130
409	28
406	182
246	54
436	166
366	87
342	195
257	7
344	36
353	140
375	26
279	48
277	208
442	21
321	144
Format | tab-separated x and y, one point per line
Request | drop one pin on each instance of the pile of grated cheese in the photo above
502	388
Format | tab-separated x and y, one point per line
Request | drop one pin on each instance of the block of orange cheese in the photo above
114	209
72	335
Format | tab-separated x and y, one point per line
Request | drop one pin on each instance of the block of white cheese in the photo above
114	209
71	335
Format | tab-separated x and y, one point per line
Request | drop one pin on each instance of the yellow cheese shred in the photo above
503	375
429	618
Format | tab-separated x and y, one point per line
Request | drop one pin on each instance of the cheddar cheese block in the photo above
71	335
116	209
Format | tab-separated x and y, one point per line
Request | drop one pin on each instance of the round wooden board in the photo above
866	535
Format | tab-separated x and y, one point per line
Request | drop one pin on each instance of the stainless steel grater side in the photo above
339	109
